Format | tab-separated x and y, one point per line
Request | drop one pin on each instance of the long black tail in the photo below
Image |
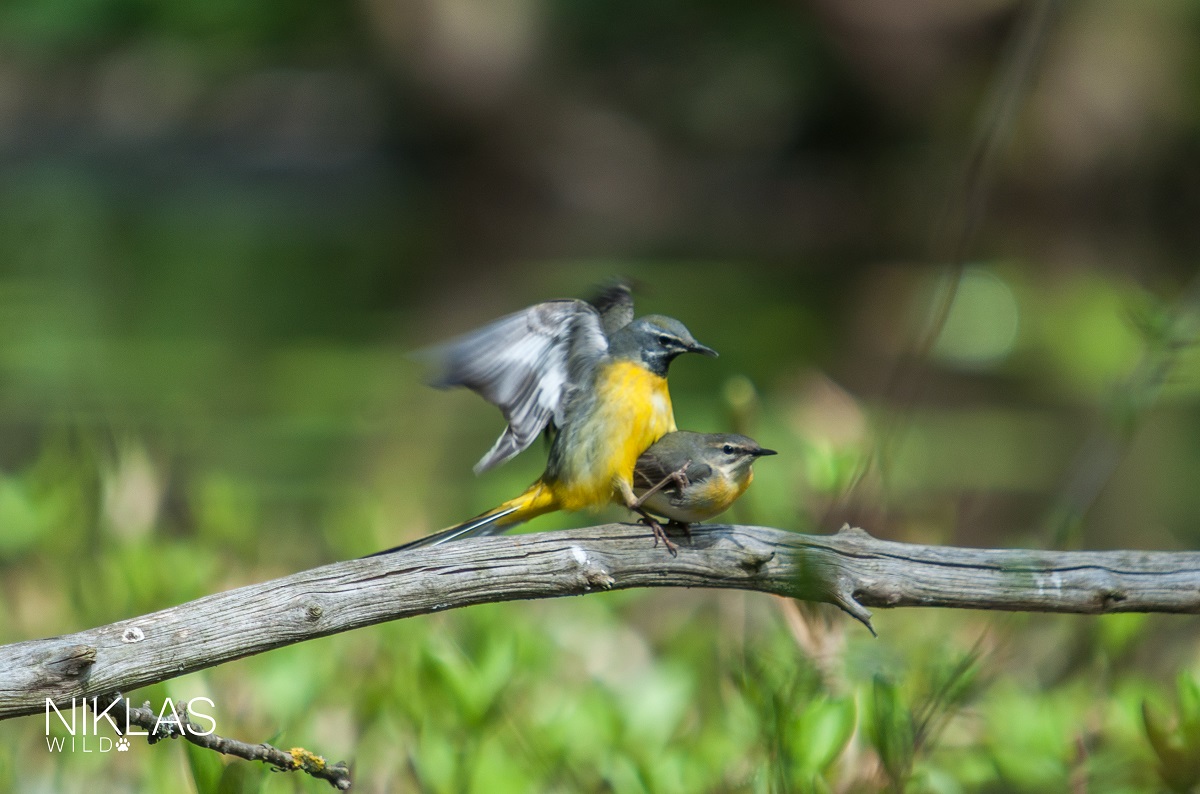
479	526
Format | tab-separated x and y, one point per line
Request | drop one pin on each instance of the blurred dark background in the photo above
224	225
210	211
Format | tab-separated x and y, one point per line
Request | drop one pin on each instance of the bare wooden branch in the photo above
849	569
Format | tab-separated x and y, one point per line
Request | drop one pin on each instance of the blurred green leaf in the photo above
206	767
20	516
439	761
1177	743
241	777
478	684
1118	632
824	729
1178	757
891	731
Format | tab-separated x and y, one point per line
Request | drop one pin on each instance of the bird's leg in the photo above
635	504
679	477
659	532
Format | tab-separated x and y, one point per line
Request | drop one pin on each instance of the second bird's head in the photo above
731	452
655	341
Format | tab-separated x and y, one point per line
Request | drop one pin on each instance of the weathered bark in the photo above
849	569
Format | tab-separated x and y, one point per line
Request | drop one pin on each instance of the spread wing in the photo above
528	364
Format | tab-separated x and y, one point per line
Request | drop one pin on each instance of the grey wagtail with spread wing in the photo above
587	373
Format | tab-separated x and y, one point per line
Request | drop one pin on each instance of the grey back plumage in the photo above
668	455
614	301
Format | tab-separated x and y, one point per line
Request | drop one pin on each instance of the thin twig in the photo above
180	725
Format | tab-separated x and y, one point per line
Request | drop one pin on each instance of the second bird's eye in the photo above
665	340
727	449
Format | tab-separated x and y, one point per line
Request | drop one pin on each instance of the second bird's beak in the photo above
762	452
696	347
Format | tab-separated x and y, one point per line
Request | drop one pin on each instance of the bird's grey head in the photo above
734	449
655	341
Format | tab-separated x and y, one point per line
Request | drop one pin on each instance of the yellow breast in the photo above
631	410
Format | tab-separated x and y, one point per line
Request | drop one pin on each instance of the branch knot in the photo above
72	661
593	574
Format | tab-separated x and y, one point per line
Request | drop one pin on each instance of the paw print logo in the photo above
122	744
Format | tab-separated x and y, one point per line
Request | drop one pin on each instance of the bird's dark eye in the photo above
727	449
666	341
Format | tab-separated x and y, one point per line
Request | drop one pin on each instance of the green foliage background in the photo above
223	227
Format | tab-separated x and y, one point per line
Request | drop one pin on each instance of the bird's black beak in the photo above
763	452
696	347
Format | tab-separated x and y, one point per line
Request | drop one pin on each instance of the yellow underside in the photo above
632	410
